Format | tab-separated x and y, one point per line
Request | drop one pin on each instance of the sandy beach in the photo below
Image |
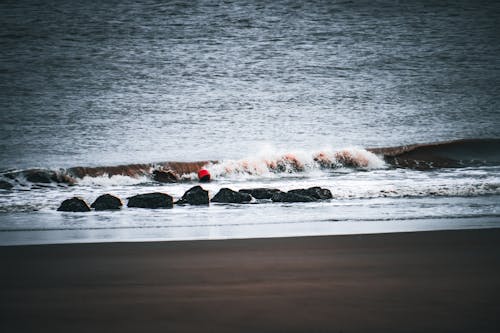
446	281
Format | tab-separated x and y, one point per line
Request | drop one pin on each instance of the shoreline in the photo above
181	233
393	282
257	238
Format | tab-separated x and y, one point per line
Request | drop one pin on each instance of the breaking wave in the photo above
264	164
449	154
270	164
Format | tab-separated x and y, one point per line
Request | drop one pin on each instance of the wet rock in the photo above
320	193
260	193
151	200
74	204
40	176
195	196
4	185
226	195
314	192
107	202
11	175
291	197
165	176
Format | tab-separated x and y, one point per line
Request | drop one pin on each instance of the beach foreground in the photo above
446	281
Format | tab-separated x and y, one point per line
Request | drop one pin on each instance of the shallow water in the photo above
126	82
364	201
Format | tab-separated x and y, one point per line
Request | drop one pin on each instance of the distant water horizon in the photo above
247	83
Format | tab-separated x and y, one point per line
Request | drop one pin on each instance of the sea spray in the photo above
271	164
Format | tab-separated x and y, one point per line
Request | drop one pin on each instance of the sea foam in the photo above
270	164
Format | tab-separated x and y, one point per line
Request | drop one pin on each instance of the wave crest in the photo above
458	153
271	164
448	154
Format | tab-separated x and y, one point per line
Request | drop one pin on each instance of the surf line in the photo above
447	154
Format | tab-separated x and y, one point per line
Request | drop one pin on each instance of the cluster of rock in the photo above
196	196
104	202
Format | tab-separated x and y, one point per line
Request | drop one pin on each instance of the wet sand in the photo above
446	281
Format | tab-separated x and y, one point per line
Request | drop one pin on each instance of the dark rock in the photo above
303	195
226	195
320	193
40	176
151	200
37	176
5	185
195	196
11	175
291	197
74	204
107	202
260	193
314	192
165	176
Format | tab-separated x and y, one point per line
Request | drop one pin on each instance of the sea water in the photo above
121	82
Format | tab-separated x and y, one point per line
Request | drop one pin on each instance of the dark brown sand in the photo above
415	282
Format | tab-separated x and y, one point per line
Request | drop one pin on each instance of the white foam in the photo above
271	164
115	180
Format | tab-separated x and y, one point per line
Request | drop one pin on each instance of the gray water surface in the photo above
125	81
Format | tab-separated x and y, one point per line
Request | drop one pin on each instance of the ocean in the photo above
249	85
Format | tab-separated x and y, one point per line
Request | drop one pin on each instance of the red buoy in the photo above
204	175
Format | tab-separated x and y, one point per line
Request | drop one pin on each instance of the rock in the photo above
165	176
151	200
291	197
320	193
11	175
195	196
40	176
260	193
4	185
226	195
315	192
107	202
74	204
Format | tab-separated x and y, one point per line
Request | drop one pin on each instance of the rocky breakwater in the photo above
197	196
